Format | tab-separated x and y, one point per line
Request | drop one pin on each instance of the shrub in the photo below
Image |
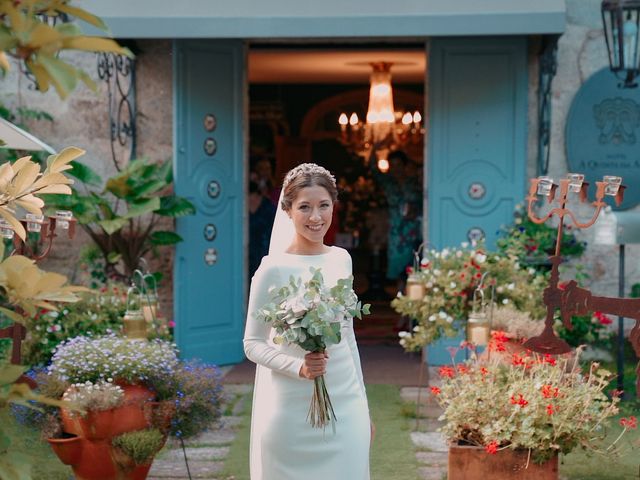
140	446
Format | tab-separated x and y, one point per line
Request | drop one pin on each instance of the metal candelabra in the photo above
572	299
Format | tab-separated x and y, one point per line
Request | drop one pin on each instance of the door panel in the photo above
209	95
477	141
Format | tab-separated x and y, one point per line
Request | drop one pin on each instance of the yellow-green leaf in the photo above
60	161
62	75
95	44
43	35
10	373
83	15
13	221
4	62
16	317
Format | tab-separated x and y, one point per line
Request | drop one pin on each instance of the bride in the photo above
284	446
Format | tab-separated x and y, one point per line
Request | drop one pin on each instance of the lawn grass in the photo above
46	466
392	455
580	466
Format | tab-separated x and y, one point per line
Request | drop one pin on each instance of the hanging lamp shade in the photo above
14	138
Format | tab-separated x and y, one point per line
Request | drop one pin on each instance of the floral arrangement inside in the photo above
450	276
540	403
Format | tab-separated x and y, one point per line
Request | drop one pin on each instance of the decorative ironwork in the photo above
548	64
477	191
119	72
572	299
210	146
210	232
210	122
213	189
475	234
210	256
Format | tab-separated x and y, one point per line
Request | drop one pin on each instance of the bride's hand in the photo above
315	364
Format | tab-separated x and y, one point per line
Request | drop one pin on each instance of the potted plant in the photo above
159	393
512	420
449	277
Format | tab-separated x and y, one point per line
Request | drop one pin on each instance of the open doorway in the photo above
296	97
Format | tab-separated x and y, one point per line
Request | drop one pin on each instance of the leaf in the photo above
172	206
4	62
13	221
10	373
43	35
165	238
95	44
62	160
85	174
114	257
112	226
143	207
63	76
82	15
43	79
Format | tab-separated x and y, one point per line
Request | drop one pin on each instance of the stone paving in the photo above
205	453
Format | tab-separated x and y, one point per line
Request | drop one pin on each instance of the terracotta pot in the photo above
98	424
96	463
131	415
126	468
68	450
474	463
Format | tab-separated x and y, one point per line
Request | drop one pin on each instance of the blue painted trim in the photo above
357	18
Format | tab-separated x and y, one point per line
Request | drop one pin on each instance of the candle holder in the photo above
45	227
135	325
547	341
479	321
148	295
415	288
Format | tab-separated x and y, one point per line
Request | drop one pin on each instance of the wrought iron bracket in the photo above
548	63
119	73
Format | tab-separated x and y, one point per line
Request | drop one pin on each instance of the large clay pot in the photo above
68	448
474	463
131	415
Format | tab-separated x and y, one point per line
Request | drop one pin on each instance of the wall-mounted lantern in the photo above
621	21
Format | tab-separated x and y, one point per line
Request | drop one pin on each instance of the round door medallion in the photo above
477	190
213	189
475	234
210	146
210	256
210	232
210	122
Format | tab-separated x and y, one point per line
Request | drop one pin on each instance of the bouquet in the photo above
310	315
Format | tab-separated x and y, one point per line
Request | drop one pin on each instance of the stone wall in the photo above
582	52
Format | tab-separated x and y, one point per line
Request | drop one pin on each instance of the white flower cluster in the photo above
83	358
102	395
310	314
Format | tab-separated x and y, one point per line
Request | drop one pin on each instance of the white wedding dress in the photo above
284	446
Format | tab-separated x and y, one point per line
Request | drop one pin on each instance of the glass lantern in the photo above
621	22
135	325
6	231
34	222
415	289
478	324
63	217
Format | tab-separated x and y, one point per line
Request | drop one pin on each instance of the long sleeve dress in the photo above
284	446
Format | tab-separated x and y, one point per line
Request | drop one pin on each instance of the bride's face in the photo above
311	212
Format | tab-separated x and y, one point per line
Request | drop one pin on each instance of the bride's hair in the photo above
303	176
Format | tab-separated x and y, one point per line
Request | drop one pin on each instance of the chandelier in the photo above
385	128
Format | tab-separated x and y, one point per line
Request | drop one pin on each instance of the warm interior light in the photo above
407	118
343	120
380	95
383	165
353	120
417	118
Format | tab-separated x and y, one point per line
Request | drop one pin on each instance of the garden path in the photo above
382	364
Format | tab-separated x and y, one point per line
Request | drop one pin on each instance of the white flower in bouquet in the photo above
310	315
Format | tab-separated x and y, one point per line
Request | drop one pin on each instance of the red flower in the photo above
602	318
409	270
517	360
519	401
562	285
550	392
466	344
550	360
499	336
463	368
484	371
631	423
550	410
616	393
447	372
492	447
497	346
436	391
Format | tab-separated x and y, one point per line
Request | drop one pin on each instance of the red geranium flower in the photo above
519	401
550	410
602	318
492	447
447	372
436	391
631	423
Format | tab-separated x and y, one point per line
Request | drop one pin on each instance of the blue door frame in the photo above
210	95
477	147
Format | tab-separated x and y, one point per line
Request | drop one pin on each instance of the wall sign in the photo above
603	134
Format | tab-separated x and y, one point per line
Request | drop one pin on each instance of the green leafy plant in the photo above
95	313
26	36
123	217
449	277
532	243
536	403
141	446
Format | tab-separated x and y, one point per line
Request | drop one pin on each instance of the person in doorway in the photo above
402	189
284	446
261	215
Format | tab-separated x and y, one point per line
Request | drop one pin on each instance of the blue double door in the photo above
475	163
